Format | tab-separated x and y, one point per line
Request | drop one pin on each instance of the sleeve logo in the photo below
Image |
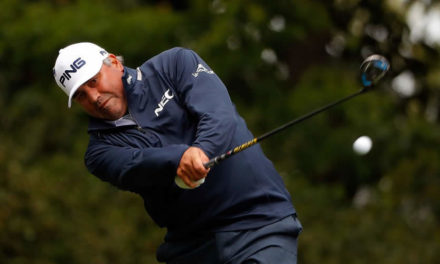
201	68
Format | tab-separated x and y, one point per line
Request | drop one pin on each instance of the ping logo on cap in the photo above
76	65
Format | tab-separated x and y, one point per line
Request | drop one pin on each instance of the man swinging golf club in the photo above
168	117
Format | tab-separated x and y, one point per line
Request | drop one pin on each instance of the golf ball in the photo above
182	185
362	145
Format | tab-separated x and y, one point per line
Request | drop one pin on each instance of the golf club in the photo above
373	69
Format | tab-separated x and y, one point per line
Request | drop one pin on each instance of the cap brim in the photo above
72	92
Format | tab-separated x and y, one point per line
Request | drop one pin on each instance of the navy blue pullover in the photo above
177	101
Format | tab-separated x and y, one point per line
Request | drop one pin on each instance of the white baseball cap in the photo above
76	64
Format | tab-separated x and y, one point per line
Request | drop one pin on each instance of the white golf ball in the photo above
362	145
182	185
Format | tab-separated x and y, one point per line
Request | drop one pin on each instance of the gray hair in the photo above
107	61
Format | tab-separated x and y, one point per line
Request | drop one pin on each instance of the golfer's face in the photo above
103	95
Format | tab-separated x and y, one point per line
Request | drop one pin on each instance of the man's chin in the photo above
113	117
108	115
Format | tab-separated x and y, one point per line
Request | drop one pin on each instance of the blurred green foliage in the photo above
279	60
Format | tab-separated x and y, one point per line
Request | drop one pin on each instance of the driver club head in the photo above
373	69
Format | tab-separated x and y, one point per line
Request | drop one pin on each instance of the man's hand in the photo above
191	167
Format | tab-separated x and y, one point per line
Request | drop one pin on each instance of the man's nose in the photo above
93	95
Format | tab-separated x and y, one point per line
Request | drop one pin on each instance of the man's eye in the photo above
78	95
93	82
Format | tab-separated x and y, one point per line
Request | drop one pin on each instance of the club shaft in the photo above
254	141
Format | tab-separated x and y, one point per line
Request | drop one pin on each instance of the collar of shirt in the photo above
126	120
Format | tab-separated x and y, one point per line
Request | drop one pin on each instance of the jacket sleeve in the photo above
131	168
205	97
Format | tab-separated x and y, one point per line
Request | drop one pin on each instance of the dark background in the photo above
279	59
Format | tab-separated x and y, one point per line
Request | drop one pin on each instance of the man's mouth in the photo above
101	106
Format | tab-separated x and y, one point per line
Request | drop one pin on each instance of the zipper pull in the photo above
139	128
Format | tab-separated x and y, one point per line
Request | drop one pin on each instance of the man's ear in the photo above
112	57
115	61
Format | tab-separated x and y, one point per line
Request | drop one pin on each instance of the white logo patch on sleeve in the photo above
201	68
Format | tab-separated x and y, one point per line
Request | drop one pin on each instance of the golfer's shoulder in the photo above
177	56
170	55
178	53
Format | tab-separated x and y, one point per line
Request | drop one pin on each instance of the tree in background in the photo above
279	61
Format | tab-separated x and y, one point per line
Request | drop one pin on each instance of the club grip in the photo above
209	164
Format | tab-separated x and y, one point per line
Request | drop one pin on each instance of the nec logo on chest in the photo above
166	97
74	67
